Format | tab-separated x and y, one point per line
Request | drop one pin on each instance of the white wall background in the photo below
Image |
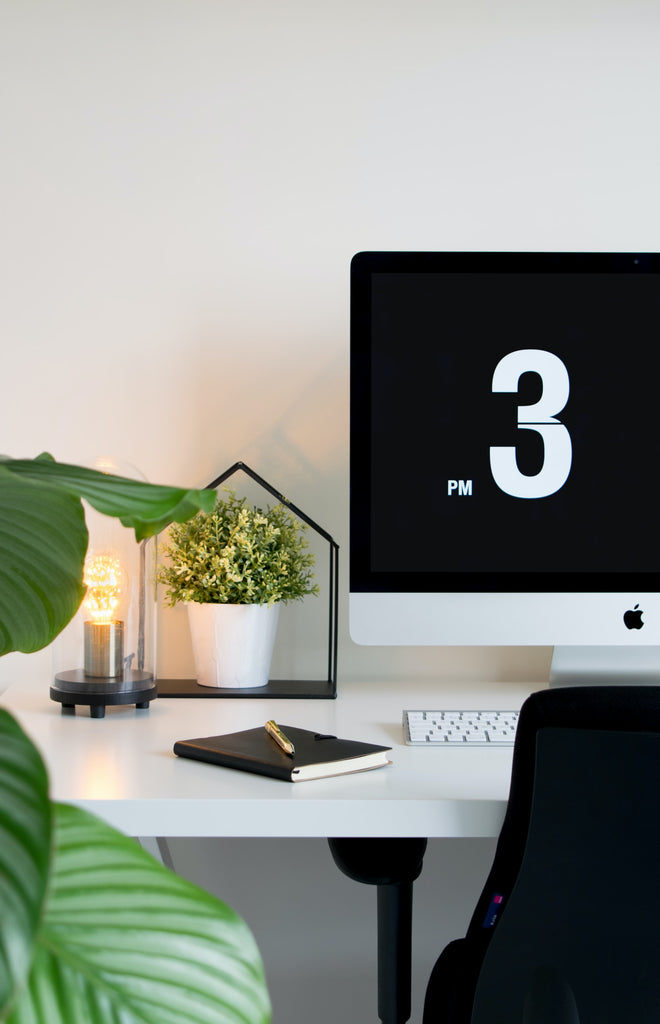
182	185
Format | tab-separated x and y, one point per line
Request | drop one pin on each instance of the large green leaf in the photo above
125	940
146	508
95	931
25	832
43	538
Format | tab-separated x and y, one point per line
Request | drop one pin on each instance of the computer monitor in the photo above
505	447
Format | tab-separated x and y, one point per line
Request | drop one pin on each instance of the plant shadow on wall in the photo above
92	928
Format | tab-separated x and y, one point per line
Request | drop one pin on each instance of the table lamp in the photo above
106	655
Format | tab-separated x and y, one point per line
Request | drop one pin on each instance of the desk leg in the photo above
158	848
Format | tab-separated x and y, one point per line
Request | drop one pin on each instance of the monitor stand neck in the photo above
589	666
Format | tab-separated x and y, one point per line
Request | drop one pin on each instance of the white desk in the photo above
122	767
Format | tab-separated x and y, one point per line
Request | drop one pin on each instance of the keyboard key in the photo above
460	728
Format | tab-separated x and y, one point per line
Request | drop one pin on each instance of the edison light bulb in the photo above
104	634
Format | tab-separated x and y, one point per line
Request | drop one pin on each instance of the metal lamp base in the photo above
75	687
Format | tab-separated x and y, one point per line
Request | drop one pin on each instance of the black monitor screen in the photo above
504	421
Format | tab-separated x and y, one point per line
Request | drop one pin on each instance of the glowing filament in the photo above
103	578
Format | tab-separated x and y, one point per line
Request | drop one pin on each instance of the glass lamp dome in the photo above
106	655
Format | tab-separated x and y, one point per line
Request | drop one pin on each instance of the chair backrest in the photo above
567	930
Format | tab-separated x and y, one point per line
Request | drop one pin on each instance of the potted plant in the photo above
232	568
91	927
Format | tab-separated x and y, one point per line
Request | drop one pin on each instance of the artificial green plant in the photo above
92	929
238	554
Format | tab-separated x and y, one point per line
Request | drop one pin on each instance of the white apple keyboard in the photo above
460	728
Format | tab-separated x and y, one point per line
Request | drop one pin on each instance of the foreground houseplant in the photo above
233	567
92	929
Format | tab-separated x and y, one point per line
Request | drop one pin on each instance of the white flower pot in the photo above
232	643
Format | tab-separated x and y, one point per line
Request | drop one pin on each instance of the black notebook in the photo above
316	754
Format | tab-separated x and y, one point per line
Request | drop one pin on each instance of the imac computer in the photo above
505	453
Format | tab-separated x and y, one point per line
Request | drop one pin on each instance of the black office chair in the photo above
567	928
392	865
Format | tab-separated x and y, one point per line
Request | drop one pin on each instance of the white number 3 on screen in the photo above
541	417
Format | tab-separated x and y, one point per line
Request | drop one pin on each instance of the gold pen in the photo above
274	730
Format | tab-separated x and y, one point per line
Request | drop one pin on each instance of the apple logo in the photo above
633	618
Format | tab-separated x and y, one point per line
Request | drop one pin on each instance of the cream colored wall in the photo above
183	183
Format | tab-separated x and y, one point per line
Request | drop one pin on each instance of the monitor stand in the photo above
589	666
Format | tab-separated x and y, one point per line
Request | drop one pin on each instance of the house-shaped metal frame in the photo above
311	688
